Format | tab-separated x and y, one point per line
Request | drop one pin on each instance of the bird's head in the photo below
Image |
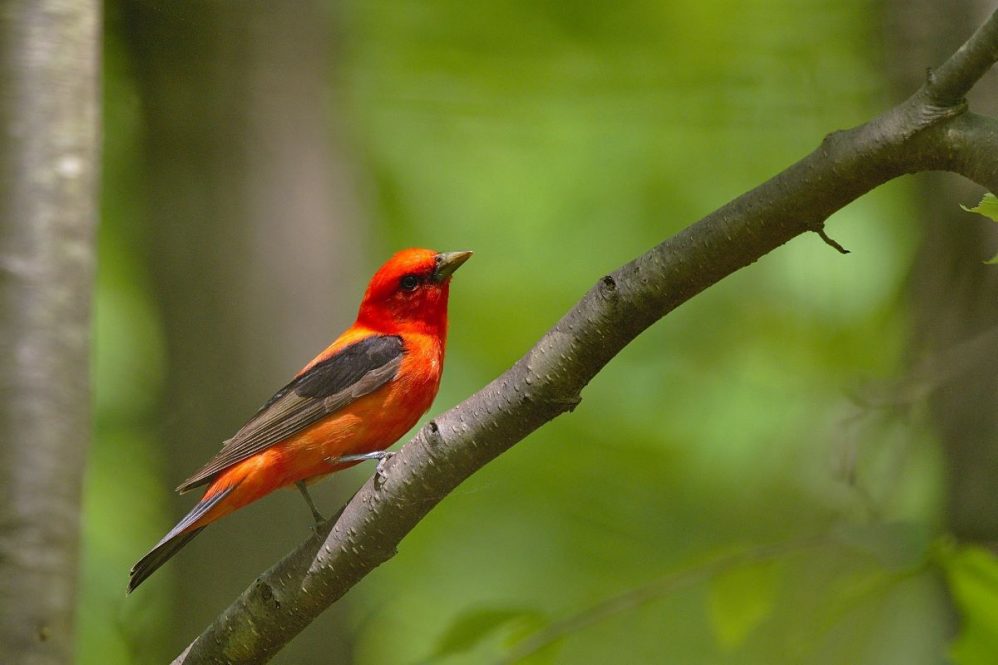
409	292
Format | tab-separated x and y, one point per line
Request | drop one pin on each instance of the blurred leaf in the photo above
474	626
740	599
896	545
526	625
972	573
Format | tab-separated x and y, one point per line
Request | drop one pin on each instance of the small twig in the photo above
829	241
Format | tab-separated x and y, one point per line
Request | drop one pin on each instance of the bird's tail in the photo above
179	536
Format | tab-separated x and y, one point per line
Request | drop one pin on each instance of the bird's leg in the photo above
381	455
319	519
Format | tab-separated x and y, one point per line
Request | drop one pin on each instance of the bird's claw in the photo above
382	469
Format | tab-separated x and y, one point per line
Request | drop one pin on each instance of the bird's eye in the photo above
409	283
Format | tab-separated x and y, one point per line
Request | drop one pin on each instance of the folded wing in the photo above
324	389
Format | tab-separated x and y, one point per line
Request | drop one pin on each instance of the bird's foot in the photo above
382	468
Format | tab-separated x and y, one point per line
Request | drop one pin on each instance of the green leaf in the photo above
972	573
740	599
474	626
987	207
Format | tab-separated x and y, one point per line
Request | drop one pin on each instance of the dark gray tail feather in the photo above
173	541
156	557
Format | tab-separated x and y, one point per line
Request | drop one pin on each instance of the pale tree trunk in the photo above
252	252
49	86
954	295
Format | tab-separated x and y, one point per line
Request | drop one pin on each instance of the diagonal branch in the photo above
929	131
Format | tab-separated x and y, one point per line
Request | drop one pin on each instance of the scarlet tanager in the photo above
356	398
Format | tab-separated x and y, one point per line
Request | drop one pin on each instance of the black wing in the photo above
327	387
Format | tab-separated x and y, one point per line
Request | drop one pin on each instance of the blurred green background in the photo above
755	479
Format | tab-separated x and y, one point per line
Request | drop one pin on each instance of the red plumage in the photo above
359	395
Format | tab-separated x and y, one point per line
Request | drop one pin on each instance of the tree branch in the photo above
948	85
929	131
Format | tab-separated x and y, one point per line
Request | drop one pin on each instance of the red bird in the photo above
351	402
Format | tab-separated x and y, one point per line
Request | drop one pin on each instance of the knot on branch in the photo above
432	433
266	594
830	141
608	288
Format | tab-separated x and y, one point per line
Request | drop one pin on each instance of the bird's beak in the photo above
447	263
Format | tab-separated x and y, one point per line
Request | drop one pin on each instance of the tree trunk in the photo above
954	295
49	71
251	251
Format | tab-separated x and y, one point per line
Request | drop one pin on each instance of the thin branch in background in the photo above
669	584
928	375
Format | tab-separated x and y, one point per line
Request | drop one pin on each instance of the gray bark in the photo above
49	115
932	130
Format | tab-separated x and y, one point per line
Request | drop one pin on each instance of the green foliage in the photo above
559	140
972	573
